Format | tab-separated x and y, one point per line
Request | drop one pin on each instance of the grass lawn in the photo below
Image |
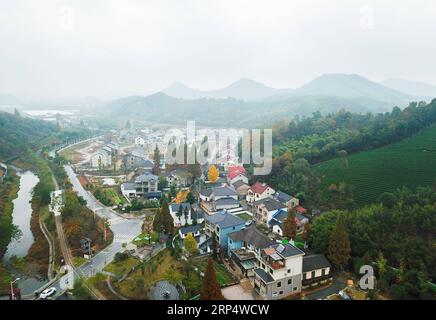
223	275
121	267
244	216
144	239
410	163
164	266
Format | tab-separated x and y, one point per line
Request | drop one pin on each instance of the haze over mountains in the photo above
415	88
250	103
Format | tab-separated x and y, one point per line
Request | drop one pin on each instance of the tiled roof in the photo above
224	219
226	201
189	229
224	191
234	171
282	197
270	204
252	236
266	277
259	187
315	262
239	183
287	250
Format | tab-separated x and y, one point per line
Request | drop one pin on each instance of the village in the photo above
255	233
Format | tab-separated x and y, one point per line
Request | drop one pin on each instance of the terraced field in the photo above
411	163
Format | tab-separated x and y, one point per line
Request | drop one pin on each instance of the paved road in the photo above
124	230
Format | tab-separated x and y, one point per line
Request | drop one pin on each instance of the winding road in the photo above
124	230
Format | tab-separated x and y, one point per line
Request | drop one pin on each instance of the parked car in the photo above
47	293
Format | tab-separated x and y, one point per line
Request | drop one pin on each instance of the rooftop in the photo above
252	236
259	187
315	262
224	219
270	204
190	229
146	178
266	277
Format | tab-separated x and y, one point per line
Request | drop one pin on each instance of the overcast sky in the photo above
113	48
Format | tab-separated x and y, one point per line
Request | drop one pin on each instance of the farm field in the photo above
410	163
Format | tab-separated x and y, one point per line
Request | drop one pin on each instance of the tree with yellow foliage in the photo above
190	244
213	173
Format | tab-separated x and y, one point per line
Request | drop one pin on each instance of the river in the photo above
21	216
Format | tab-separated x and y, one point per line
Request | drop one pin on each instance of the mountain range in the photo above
249	103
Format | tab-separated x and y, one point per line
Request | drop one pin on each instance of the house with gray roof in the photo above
219	225
219	198
194	214
264	209
244	246
194	230
279	271
316	270
278	219
286	199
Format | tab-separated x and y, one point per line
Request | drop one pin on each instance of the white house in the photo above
259	191
193	230
101	159
128	189
279	271
265	209
193	214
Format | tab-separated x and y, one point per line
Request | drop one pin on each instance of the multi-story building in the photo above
221	224
279	272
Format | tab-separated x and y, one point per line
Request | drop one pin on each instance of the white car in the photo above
47	293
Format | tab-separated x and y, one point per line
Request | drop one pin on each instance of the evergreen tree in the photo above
339	246
156	158
290	225
179	213
158	221
211	289
167	219
214	247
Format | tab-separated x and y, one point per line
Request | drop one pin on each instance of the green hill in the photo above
410	163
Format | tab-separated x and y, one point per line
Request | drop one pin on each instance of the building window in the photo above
289	270
295	288
323	272
234	228
263	266
289	281
279	284
271	271
313	274
280	292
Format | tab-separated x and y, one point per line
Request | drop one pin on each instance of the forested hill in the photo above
18	134
319	138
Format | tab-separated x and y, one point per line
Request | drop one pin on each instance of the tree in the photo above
147	226
158	221
290	225
190	244
156	159
214	247
190	198
381	265
306	232
339	246
167	219
213	173
211	289
179	213
106	226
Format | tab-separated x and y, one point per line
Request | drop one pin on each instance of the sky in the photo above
111	48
